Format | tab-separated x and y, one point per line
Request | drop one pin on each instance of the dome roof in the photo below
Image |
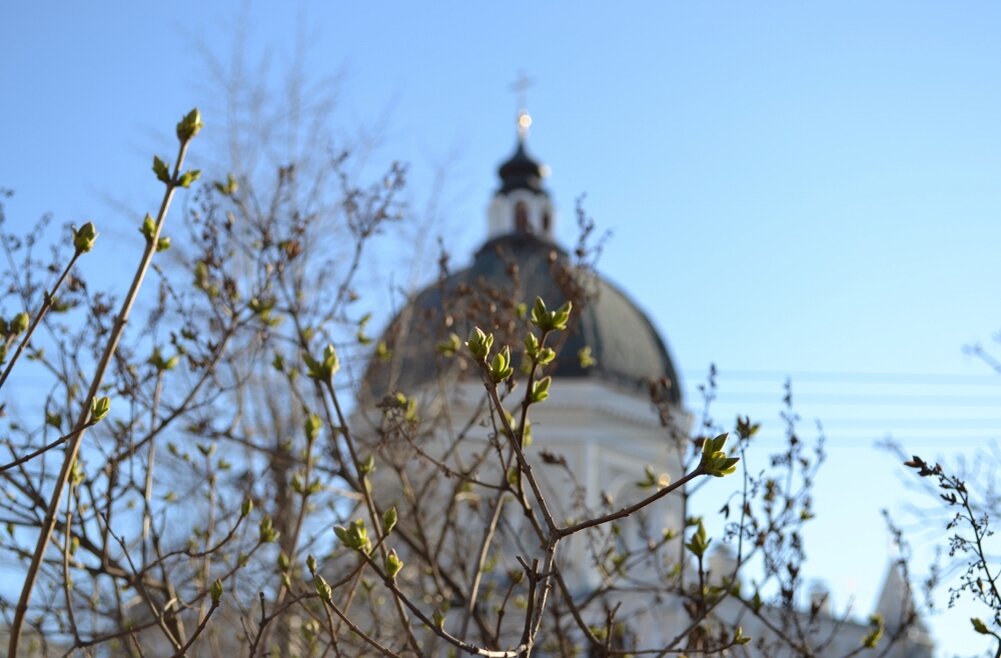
513	269
520	172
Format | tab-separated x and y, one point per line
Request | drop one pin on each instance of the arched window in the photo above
521	217
545	221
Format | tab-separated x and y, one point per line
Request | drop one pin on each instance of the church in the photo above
613	428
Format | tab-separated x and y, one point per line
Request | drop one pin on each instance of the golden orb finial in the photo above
524	123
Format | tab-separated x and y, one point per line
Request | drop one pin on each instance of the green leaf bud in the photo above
699	542
323	369
53	419
216	591
161	169
714	459
479	344
148	229
451	346
190	125
547	320
745	428
99	408
229	187
19	323
163	244
322	588
268	533
393	564
540	389
84	238
312	426
354	536
500	368
389	518
359	536
872	639
531	345
189	177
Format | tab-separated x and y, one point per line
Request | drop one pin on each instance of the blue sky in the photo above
793	188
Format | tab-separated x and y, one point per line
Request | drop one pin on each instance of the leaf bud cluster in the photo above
547	320
714	459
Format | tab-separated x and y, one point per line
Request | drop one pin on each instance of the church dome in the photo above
512	269
519	262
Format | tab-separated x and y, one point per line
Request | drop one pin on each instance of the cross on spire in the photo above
519	87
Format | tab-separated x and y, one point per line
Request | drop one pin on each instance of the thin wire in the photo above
842	376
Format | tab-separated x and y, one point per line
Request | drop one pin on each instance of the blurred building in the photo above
615	416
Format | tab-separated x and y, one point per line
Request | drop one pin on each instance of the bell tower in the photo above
521	204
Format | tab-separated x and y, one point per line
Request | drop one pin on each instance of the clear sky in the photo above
794	188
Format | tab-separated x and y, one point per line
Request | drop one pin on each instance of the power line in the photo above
832	376
855	399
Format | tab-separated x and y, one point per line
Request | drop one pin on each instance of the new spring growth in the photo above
547	320
229	187
393	564
876	634
148	229
161	364
389	518
354	536
216	591
189	126
540	389
322	588
84	238
99	408
18	324
268	533
312	426
325	368
714	459
745	428
699	541
188	177
479	344
161	169
451	346
536	352
500	366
